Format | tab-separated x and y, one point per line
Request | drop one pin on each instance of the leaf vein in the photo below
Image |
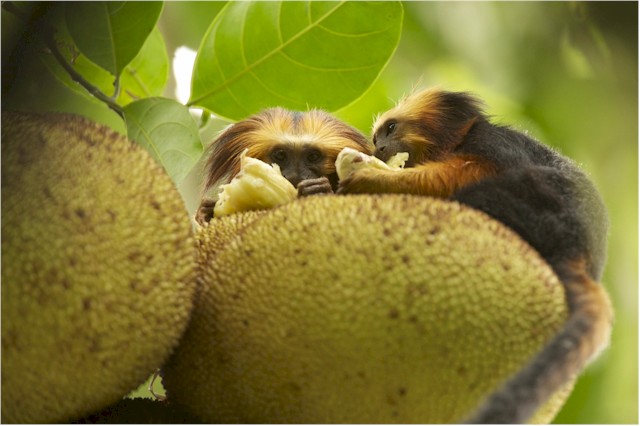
275	94
112	51
248	69
324	69
348	35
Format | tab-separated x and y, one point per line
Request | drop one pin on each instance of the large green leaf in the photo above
143	77
148	73
199	15
293	54
111	33
42	85
166	129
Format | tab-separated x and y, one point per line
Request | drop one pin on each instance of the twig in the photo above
116	88
157	396
75	76
47	34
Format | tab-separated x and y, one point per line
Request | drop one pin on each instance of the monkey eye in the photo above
314	156
391	126
279	155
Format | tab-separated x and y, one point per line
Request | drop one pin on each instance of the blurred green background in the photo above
567	73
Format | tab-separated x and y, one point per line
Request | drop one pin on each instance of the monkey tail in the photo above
583	336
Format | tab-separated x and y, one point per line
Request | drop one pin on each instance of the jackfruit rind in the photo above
223	230
363	309
98	267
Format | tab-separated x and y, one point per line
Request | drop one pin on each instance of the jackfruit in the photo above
350	160
98	267
226	229
362	309
258	185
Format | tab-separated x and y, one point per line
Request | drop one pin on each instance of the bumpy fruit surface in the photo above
98	267
362	309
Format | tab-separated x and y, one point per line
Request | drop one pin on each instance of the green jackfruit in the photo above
362	309
98	267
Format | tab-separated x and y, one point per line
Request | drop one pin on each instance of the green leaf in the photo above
42	85
293	54
148	73
144	77
166	129
111	33
199	15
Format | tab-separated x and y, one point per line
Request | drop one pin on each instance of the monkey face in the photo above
390	139
428	124
298	162
304	144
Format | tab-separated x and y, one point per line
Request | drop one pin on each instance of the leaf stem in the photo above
78	78
47	35
116	89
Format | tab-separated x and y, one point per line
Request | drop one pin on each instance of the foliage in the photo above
110	34
165	128
253	55
240	66
564	71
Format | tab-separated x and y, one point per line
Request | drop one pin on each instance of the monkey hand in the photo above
349	160
362	173
319	185
205	211
366	181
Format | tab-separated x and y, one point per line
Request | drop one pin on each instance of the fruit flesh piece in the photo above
350	160
257	186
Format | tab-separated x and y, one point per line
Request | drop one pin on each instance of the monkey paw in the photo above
314	186
205	211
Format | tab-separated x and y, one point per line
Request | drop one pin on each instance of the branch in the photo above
78	78
47	35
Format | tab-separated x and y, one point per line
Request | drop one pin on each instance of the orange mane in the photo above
275	126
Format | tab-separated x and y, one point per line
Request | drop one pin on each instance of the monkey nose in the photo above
295	180
379	153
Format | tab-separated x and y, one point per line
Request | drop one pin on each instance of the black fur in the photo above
551	204
540	194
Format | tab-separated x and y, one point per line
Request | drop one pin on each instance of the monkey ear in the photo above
460	111
462	132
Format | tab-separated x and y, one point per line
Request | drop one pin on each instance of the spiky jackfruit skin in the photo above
222	230
363	309
98	267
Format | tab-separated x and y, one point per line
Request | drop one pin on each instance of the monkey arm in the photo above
437	178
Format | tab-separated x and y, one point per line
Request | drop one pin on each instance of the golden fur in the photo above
260	133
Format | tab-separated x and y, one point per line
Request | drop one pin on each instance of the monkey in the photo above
303	144
456	153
